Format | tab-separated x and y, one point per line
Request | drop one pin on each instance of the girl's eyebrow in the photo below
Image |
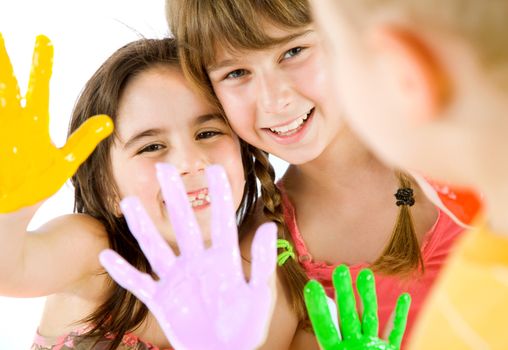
278	41
222	64
142	134
207	117
157	131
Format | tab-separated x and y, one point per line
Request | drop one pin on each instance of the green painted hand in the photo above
356	334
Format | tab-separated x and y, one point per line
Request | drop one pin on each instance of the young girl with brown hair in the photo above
158	118
263	62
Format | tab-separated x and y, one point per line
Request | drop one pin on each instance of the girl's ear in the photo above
411	69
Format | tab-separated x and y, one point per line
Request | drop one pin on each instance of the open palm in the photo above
32	167
201	299
355	334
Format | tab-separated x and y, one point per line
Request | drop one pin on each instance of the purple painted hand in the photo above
201	300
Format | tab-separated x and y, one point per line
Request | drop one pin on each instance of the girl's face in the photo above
160	119
279	98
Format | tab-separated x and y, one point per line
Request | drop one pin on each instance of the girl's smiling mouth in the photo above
199	199
293	131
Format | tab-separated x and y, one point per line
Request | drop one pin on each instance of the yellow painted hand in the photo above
31	167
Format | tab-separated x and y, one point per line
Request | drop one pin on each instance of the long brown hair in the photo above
201	27
96	193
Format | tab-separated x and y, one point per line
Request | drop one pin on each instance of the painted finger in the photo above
153	245
138	283
400	320
37	95
320	317
83	141
264	254
9	89
223	224
182	217
366	286
348	315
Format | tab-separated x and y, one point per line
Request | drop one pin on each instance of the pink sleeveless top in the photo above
74	341
435	248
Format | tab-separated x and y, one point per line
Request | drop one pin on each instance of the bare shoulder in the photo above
74	224
304	339
283	324
73	233
60	255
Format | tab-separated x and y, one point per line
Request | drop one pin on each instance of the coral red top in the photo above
435	249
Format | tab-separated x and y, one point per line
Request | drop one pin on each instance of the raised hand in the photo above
201	299
31	167
356	334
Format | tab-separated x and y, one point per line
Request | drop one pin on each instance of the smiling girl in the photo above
264	63
158	118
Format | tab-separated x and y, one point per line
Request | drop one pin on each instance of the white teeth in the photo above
197	203
291	126
199	199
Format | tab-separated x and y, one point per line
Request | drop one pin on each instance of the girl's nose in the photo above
274	92
189	160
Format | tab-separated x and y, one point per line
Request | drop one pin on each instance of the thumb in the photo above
84	140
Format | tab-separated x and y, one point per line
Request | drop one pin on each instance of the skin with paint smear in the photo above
355	333
38	168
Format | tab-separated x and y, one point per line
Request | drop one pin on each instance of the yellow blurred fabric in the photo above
468	307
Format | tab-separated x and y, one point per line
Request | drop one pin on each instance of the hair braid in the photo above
293	276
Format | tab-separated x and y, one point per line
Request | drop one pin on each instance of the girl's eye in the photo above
236	74
207	135
295	51
151	148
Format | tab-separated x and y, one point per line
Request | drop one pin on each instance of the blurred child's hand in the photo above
461	204
356	334
31	167
201	299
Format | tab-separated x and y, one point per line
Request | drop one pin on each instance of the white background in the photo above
84	33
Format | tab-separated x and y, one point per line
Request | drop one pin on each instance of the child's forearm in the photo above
13	235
